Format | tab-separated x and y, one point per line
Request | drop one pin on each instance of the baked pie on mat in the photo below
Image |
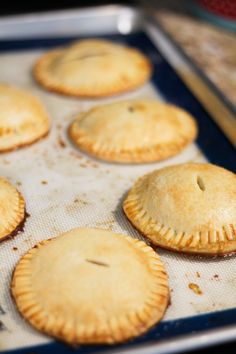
12	210
133	131
23	119
92	68
188	208
91	286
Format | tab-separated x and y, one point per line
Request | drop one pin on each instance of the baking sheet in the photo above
65	188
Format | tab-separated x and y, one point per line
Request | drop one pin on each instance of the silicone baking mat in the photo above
65	188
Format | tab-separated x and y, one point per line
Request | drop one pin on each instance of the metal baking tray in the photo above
65	188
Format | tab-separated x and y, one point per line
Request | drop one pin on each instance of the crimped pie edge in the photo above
166	237
19	210
40	112
156	152
120	330
41	75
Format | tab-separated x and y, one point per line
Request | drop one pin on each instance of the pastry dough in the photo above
23	119
189	208
133	131
91	286
12	210
92	68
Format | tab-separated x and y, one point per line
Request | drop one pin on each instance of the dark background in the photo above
17	7
20	7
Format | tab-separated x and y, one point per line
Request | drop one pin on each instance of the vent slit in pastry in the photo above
200	219
93	68
200	183
80	303
133	131
99	263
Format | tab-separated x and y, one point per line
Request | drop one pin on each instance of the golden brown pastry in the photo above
12	210
133	131
23	119
91	286
92	68
188	208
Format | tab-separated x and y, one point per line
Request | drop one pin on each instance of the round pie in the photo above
12	210
23	119
92	68
91	286
133	131
189	208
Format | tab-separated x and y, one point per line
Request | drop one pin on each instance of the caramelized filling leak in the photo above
196	288
2	326
18	229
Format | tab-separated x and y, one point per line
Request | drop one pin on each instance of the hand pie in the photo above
188	208
91	286
92	68
23	119
133	131
12	210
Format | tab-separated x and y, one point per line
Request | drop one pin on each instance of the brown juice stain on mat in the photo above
92	164
28	239
2	328
89	163
198	275
83	165
195	288
81	201
76	154
216	276
15	248
61	142
2	312
44	182
77	202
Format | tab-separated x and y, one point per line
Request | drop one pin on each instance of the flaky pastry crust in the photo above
187	208
91	286
92	68
133	131
12	209
23	119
